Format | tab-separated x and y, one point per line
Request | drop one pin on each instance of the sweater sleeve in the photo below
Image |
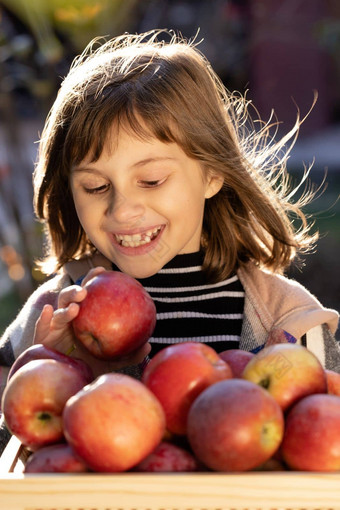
274	303
19	334
325	346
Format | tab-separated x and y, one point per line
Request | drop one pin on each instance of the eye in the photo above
97	190
151	184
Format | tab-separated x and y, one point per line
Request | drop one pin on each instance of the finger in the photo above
42	326
145	350
73	293
92	273
63	316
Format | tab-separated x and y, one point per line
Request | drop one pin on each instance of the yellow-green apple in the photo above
168	457
177	374
235	425
34	399
113	423
40	351
288	372
55	458
116	317
312	434
333	382
237	359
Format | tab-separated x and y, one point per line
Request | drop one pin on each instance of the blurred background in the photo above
280	51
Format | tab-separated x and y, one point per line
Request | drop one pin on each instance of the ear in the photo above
214	184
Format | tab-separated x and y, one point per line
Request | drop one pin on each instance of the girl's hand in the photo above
54	329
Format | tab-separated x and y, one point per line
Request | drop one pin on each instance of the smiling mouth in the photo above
134	240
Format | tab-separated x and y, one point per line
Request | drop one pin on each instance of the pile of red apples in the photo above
193	410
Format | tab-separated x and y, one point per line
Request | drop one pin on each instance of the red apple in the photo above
237	359
312	434
288	371
177	375
235	425
166	458
34	399
39	351
116	317
55	458
113	423
333	382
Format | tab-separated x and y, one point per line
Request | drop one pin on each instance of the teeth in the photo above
137	239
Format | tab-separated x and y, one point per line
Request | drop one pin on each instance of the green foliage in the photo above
79	20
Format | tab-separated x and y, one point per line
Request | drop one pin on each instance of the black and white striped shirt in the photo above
191	309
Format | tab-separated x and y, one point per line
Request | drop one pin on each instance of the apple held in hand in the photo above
55	458
235	425
177	375
237	359
113	423
288	372
116	317
168	458
312	434
39	351
34	399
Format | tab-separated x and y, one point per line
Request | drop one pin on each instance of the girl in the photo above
147	165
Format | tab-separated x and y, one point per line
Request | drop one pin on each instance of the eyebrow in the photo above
155	159
138	164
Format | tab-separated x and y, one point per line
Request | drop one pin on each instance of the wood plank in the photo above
208	491
10	455
177	491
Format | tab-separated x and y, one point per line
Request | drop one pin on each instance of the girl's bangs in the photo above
104	128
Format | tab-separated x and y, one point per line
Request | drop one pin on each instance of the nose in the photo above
126	210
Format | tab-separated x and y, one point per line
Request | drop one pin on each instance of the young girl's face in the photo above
142	203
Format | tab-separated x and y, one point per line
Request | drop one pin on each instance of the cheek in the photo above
87	214
185	198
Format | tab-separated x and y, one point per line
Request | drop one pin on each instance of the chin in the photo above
140	275
139	271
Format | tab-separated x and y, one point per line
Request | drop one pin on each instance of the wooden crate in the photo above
178	491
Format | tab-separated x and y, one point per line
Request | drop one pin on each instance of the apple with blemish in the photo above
117	316
178	374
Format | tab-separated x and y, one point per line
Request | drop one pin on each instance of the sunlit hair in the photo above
168	90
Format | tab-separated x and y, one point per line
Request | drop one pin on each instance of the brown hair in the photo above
172	89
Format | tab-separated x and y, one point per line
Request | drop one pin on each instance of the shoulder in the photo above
283	302
75	269
47	292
